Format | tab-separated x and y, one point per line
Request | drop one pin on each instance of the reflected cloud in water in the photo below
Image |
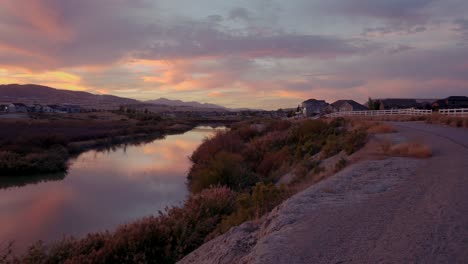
100	191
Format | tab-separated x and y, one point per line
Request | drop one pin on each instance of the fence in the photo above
381	112
417	112
456	112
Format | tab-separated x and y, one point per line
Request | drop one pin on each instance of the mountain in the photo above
165	101
32	93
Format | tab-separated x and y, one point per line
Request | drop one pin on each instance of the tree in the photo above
373	104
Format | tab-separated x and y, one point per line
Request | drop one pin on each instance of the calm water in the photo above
100	191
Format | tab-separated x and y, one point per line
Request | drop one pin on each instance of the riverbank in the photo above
384	209
235	178
45	143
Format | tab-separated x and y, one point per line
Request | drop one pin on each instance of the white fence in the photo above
381	112
417	112
456	112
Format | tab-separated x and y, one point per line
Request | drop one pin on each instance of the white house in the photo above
17	108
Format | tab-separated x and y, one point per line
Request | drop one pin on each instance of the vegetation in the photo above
407	149
234	178
434	118
45	145
157	239
454	121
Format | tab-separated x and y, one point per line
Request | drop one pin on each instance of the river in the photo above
100	191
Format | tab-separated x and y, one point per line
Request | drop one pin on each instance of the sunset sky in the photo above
254	53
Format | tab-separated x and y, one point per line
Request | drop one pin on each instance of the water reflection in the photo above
20	181
101	190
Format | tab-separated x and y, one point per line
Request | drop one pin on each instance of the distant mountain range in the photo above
32	93
165	101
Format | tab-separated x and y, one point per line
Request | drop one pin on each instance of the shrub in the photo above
341	164
162	239
272	161
250	206
310	128
381	129
222	141
411	149
333	146
303	169
224	169
354	140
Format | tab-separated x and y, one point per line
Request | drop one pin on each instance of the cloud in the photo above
200	40
71	33
383	9
240	13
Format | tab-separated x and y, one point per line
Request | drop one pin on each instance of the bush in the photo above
341	164
355	140
381	129
250	206
224	169
411	149
162	239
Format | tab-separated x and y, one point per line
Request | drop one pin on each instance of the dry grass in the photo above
453	121
407	149
380	128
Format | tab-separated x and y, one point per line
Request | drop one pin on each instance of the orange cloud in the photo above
40	17
57	79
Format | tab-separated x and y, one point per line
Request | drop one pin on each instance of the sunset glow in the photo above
259	54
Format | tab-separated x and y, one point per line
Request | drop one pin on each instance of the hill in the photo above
165	101
32	93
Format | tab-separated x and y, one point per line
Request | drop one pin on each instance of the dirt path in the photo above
396	210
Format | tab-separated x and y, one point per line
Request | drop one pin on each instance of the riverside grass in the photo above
233	179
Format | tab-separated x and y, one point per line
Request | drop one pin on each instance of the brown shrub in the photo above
158	239
381	129
223	141
411	149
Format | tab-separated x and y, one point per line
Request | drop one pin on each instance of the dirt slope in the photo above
396	210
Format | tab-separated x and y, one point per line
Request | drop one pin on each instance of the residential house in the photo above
70	108
57	109
3	108
346	105
47	109
313	107
452	102
398	103
36	108
17	108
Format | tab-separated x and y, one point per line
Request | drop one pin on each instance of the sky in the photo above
266	54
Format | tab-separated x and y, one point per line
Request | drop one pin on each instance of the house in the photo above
36	108
56	109
70	108
347	105
17	108
313	107
452	102
398	103
47	109
3	108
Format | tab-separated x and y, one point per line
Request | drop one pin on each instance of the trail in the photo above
397	210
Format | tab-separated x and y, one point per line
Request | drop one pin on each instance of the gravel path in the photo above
396	210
